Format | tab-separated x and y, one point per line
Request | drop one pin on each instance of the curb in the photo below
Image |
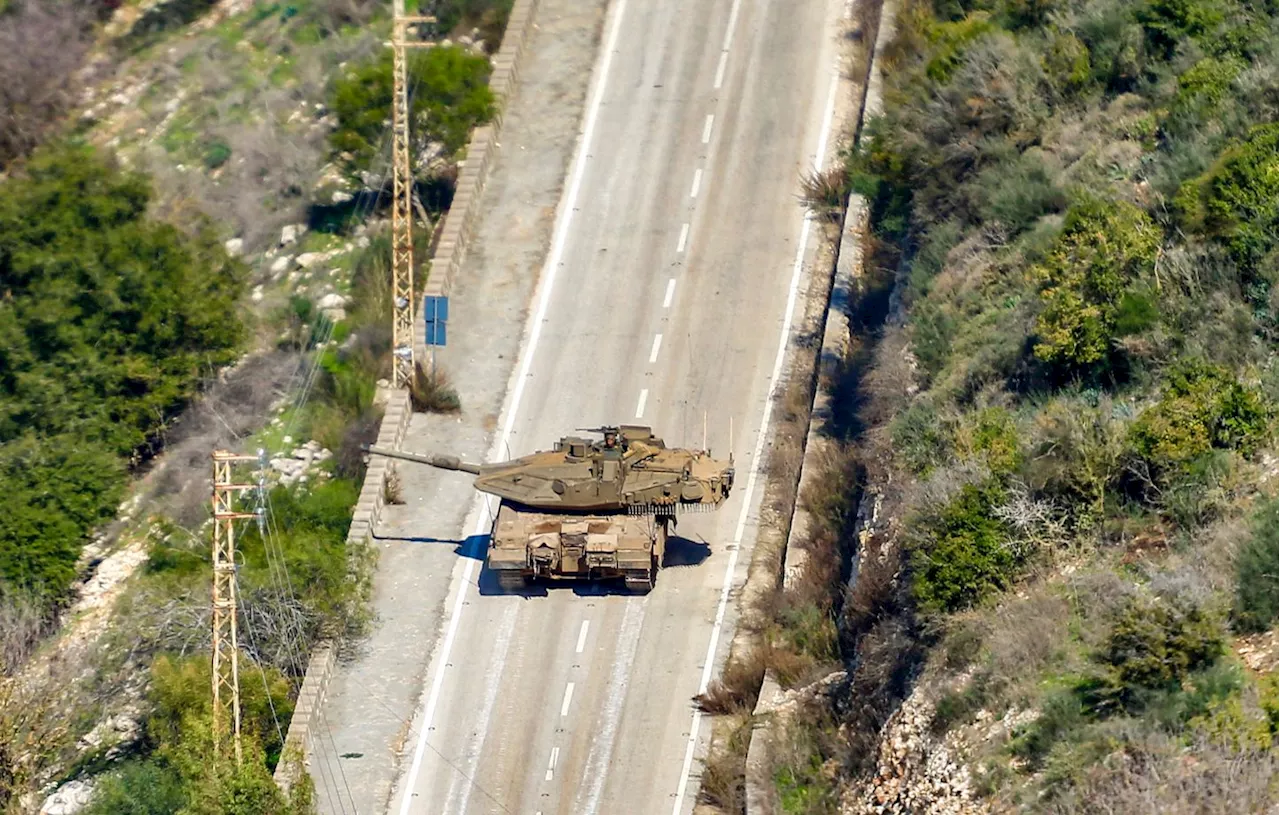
460	221
761	795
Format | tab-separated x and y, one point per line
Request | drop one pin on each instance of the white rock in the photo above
287	440
363	241
291	233
340	197
70	798
330	301
234	246
280	264
308	259
257	294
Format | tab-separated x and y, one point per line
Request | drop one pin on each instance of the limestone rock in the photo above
68	799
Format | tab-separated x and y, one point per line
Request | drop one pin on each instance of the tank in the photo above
590	509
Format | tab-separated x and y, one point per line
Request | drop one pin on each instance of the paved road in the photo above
665	295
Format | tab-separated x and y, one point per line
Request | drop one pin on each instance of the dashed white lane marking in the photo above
697	182
797	267
671	290
684	238
706	128
482	506
568	697
657	343
644	395
551	765
582	636
728	40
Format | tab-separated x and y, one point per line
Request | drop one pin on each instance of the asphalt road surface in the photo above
673	270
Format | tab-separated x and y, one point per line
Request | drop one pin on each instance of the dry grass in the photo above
432	393
824	191
724	782
738	686
232	407
22	624
392	491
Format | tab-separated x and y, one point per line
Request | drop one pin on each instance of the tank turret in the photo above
628	469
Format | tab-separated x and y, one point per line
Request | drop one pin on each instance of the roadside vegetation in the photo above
1068	410
152	310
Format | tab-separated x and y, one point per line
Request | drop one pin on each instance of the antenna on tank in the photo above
704	431
730	439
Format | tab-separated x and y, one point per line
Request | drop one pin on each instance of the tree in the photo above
108	322
449	95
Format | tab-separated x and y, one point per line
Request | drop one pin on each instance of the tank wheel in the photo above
643	582
511	580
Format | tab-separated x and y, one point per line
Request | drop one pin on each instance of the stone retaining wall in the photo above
297	744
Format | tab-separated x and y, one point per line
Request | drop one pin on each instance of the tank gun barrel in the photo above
442	462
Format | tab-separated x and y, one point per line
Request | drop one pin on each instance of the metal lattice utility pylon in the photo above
402	202
226	665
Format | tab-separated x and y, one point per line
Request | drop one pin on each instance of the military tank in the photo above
593	509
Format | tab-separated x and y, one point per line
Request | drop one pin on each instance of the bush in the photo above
144	787
450	96
961	557
1234	202
1203	408
108	319
1154	644
1105	247
919	438
1258	572
55	491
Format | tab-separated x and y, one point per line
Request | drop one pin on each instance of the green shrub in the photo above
1154	644
55	490
216	154
1066	63
948	41
992	436
961	557
1166	22
451	95
145	787
1105	247
108	319
1203	407
1258	572
1234	202
919	438
1016	193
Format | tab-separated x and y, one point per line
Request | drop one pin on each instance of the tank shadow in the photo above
685	552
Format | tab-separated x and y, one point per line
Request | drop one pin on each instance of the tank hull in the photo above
527	545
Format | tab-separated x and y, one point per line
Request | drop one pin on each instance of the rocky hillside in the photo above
193	256
1062	538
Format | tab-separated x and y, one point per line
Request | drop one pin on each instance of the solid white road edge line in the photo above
547	280
792	293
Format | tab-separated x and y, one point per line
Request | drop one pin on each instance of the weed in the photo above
431	392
